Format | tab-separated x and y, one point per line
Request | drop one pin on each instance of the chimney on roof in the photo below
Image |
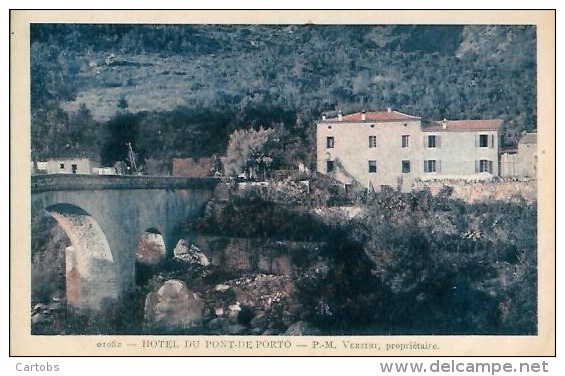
339	117
323	116
363	116
444	124
388	109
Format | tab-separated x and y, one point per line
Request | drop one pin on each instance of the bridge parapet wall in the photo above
46	183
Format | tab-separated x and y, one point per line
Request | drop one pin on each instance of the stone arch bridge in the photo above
104	216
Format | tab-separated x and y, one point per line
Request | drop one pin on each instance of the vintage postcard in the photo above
282	183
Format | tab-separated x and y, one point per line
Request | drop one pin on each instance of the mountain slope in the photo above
282	76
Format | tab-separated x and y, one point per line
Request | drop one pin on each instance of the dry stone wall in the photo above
250	254
473	191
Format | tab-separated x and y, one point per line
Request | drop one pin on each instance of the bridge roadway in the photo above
104	217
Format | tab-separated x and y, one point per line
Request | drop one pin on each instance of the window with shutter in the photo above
430	165
405	140
485	166
372	167
432	141
372	141
483	140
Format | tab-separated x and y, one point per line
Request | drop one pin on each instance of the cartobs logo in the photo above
22	367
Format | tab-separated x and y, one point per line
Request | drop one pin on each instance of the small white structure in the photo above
69	166
104	171
303	169
38	167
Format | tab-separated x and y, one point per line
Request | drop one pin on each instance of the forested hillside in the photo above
180	90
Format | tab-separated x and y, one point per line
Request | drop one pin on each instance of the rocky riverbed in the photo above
252	303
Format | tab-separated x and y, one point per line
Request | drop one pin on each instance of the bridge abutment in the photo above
91	272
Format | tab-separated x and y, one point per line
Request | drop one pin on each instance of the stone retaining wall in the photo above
498	189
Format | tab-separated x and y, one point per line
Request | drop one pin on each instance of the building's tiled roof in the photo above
67	159
464	125
529	138
376	116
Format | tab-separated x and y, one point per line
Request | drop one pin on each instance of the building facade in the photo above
68	166
527	153
201	167
192	167
464	149
521	162
390	148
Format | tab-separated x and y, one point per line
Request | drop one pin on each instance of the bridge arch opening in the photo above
48	245
91	274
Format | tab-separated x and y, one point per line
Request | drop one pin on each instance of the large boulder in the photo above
190	254
173	307
150	249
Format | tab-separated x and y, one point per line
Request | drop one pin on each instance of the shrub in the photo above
246	314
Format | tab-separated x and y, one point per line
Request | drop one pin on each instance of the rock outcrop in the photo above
252	305
191	255
173	307
45	317
250	255
150	249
